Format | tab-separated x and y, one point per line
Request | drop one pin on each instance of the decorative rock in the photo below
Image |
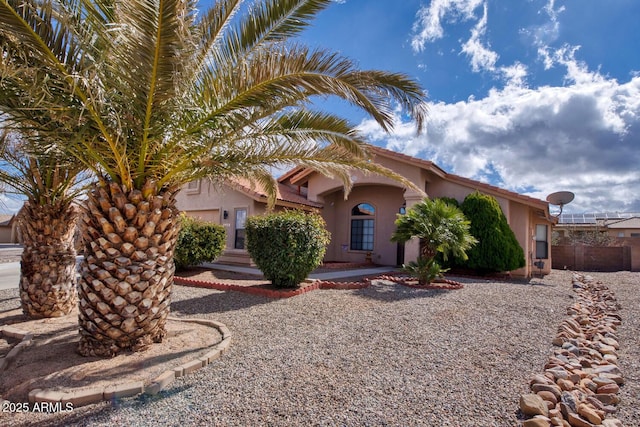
555	421
570	401
536	388
608	389
607	399
600	381
584	363
576	420
587	384
540	379
610	369
532	404
565	385
616	378
548	396
588	413
558	373
537	422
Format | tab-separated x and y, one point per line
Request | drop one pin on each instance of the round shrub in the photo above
286	246
199	241
498	249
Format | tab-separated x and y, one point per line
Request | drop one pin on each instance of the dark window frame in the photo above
362	230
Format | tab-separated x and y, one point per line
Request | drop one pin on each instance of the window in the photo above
241	219
193	187
362	227
542	246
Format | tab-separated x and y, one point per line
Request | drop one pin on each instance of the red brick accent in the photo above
320	284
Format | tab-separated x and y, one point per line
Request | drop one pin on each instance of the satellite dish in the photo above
560	198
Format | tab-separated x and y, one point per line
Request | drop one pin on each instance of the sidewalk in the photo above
329	275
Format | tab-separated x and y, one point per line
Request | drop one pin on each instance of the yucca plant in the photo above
169	95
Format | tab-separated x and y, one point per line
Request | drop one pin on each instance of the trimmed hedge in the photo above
286	246
199	241
498	249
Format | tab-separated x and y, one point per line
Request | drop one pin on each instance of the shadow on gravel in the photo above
9	320
106	410
10	299
389	292
535	281
218	302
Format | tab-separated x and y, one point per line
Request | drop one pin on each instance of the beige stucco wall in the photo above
5	234
386	195
209	202
386	200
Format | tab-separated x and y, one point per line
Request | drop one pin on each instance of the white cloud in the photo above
547	33
428	26
482	58
10	204
584	137
515	75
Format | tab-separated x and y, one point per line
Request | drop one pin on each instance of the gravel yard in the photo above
387	355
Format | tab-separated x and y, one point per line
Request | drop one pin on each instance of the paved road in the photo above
10	271
9	275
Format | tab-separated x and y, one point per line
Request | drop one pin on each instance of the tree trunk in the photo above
48	264
126	277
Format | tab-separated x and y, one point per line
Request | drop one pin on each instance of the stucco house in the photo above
8	229
614	225
362	224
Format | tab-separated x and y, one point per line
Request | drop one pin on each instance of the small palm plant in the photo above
47	223
441	228
163	95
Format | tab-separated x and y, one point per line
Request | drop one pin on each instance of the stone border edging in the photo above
25	341
436	284
273	293
580	385
444	284
89	395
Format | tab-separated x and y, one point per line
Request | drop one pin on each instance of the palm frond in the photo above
151	91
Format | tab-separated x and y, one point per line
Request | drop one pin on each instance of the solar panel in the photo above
592	218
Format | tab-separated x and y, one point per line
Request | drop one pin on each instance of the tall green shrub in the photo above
498	249
287	246
199	241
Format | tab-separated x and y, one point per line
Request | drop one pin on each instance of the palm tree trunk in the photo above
48	264
126	277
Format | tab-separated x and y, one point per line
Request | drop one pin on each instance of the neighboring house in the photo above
8	229
361	226
598	241
585	226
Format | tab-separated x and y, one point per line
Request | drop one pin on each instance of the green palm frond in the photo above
43	177
153	91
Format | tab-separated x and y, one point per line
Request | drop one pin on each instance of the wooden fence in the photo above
625	257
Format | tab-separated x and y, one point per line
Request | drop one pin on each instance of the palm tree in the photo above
35	166
441	228
47	224
169	96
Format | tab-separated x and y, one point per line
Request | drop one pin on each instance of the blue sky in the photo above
535	96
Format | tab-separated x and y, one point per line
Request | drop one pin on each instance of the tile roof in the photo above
426	164
6	219
285	195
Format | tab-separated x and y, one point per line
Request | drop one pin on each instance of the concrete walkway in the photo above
329	275
10	272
